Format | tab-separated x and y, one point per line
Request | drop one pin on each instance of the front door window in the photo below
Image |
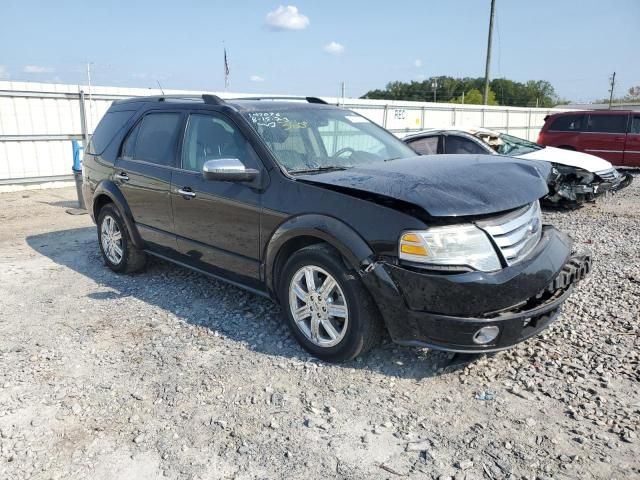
212	137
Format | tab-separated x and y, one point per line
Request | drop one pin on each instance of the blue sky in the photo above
312	47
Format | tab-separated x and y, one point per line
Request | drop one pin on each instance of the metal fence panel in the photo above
38	120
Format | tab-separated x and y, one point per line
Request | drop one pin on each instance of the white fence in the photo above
39	120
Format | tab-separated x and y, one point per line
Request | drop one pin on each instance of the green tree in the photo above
449	89
476	97
633	93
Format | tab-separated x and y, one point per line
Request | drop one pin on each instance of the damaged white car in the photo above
575	177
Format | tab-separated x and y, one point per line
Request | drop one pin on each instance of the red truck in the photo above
610	134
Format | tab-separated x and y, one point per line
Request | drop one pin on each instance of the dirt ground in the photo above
169	374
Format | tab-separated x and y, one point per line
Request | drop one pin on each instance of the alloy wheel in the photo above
318	306
111	238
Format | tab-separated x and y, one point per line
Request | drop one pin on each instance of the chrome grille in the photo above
517	233
611	175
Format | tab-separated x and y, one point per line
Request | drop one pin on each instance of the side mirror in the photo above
228	170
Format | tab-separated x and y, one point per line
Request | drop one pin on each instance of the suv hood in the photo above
591	163
444	185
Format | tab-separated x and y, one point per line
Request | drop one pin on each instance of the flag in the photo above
226	70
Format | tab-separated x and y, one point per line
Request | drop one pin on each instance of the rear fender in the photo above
110	189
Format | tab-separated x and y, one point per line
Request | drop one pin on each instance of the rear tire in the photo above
335	318
118	251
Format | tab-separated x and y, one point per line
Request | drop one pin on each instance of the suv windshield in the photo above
507	144
310	139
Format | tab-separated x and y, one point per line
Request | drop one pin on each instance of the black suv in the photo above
334	218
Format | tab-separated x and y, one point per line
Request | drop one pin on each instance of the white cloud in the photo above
286	18
334	48
417	63
36	69
256	78
4	74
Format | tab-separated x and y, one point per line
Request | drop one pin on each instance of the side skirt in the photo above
262	293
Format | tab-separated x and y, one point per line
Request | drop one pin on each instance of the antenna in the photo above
160	86
90	97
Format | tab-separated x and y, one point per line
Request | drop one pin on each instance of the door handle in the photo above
187	193
122	176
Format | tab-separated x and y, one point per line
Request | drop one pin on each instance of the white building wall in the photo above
39	120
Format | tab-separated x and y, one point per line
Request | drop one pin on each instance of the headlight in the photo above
581	175
451	246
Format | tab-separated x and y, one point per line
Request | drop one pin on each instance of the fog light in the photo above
486	335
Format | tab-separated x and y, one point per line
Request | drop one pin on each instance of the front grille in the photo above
611	175
517	233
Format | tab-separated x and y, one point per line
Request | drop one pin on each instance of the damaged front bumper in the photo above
623	181
581	186
449	311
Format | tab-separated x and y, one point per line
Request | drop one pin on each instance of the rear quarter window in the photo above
110	124
155	138
425	145
567	123
608	123
456	145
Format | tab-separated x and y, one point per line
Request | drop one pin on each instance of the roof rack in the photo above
207	98
177	97
212	99
160	98
276	97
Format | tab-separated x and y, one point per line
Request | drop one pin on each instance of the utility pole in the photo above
488	64
343	89
612	79
434	86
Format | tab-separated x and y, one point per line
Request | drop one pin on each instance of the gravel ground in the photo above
168	373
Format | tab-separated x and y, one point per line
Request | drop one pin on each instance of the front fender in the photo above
328	229
111	190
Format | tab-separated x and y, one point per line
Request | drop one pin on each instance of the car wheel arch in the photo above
305	230
107	192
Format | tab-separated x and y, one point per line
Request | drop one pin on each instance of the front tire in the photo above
118	251
329	311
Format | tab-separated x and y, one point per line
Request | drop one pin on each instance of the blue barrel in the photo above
77	170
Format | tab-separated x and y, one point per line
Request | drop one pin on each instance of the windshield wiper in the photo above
325	168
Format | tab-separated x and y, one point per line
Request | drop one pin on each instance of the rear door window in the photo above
567	123
426	145
635	125
456	145
607	123
110	124
154	139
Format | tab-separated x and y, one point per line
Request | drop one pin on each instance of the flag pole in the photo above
226	68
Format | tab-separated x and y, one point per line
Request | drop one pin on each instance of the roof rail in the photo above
210	99
164	98
316	100
276	97
206	98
